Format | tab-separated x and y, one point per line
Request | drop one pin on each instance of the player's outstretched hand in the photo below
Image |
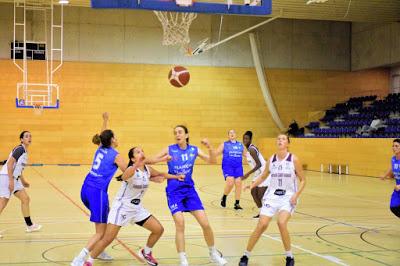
166	158
205	142
106	116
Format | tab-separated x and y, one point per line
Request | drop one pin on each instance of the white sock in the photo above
289	254
90	259
84	252
147	250
212	249
182	256
247	253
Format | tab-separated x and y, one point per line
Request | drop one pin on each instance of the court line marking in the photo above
336	194
86	213
329	258
127	236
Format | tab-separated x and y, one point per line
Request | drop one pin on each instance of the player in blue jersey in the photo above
232	167
94	189
182	195
127	206
394	172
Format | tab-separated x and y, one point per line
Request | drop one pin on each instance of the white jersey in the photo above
21	156
133	189
283	178
253	164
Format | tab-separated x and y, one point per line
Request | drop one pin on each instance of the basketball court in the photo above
326	229
210	65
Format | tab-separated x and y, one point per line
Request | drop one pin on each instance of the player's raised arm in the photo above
211	156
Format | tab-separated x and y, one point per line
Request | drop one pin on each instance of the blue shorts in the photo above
395	200
235	172
96	200
184	200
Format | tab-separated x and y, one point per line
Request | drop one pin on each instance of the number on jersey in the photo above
97	161
185	157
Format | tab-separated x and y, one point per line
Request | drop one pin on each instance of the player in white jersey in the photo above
281	196
257	164
13	182
127	206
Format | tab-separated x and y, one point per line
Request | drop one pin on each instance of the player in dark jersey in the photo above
257	163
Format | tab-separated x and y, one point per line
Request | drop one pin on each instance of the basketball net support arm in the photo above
262	80
205	47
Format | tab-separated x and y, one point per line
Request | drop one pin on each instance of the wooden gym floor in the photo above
340	220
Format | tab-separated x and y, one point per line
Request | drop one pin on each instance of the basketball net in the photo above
175	27
38	109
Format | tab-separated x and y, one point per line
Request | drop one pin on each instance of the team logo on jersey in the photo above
280	167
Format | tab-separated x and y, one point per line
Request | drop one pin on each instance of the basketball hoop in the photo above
175	27
38	109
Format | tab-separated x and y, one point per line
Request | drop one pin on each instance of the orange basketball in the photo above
179	76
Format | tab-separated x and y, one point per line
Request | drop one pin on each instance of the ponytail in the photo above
130	156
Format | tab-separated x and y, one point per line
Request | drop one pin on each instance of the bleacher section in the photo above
353	118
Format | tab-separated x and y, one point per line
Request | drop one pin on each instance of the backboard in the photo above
228	7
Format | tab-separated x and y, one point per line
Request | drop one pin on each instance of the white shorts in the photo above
4	191
272	206
257	174
121	214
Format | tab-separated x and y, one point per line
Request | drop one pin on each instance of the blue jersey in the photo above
232	154
182	162
396	169
103	168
